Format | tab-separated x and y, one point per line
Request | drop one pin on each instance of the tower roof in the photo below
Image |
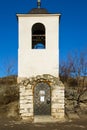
38	11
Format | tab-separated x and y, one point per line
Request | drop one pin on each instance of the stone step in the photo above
44	119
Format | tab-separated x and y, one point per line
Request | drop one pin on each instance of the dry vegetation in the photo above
9	96
73	73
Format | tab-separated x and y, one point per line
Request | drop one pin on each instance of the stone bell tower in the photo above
41	92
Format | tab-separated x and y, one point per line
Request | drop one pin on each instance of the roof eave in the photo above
36	15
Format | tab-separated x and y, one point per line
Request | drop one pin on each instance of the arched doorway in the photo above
42	99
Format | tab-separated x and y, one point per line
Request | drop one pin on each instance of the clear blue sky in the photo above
73	26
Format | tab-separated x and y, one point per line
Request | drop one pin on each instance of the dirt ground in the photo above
9	124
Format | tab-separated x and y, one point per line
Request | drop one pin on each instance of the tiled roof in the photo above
38	11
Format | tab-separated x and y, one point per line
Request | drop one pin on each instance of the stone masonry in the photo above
27	85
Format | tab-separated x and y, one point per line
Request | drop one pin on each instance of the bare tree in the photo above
8	67
73	72
75	68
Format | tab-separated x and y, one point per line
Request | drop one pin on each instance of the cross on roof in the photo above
39	3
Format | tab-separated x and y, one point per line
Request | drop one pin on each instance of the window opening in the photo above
38	36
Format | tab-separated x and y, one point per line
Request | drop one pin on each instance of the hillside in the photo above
75	101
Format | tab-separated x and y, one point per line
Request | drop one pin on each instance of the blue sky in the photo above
73	26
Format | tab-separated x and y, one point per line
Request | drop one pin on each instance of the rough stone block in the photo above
29	91
27	118
23	101
55	105
61	101
22	111
30	110
27	114
61	106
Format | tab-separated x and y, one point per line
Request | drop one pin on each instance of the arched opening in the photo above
42	99
38	36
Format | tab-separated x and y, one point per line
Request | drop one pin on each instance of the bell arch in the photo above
38	36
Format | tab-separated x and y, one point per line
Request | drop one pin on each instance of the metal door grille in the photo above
42	99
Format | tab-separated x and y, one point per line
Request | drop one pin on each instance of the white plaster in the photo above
32	62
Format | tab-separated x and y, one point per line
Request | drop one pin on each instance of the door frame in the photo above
35	85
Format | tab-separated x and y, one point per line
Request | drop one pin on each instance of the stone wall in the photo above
27	85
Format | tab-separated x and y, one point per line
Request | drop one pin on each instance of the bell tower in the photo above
38	51
41	92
